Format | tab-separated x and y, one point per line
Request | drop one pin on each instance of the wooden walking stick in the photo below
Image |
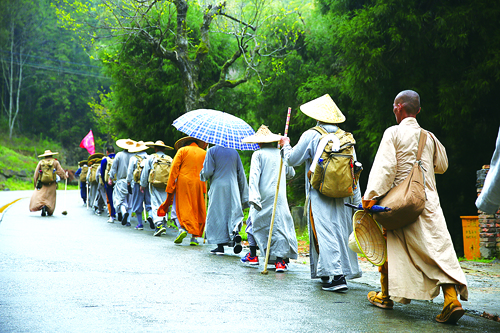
65	212
87	189
275	201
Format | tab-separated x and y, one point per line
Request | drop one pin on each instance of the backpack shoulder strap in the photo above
320	130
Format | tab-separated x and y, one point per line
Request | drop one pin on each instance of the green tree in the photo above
49	76
180	33
17	38
447	51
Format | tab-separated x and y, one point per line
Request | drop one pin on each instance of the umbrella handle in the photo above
374	209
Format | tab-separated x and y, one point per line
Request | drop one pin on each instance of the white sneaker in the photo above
111	220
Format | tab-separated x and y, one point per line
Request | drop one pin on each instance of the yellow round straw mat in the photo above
367	238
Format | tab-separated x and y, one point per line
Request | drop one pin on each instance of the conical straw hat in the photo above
367	239
94	156
263	135
47	153
323	109
125	143
138	147
158	143
180	143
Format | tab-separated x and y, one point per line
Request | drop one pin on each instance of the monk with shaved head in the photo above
421	259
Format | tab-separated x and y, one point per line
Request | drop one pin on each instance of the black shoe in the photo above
325	279
219	250
44	211
151	223
124	220
338	283
119	217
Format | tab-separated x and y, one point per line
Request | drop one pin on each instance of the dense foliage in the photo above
58	79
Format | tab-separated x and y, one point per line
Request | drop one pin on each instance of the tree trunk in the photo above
12	72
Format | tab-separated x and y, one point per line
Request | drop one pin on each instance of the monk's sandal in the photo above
451	313
383	302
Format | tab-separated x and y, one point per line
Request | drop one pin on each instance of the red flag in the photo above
88	143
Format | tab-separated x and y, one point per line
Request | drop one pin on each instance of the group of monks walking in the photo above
421	259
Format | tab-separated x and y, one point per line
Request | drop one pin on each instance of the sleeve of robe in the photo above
301	151
131	167
147	169
174	171
114	167
104	164
384	168
356	198
37	173
290	172
59	170
98	173
489	199
242	184
440	157
208	166
254	182
88	174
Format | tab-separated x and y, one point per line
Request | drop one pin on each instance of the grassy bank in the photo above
19	158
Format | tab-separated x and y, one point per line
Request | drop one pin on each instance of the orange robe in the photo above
184	181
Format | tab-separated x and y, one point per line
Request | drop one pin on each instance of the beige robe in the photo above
420	256
46	196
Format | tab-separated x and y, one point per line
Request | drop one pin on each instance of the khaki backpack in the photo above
158	177
108	169
47	170
138	169
335	175
93	172
83	174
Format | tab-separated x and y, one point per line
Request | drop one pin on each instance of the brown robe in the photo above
420	256
46	196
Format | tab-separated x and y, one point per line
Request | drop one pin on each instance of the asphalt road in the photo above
78	273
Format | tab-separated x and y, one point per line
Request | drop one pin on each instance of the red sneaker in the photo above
280	266
248	259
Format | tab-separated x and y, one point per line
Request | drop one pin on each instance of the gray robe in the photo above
139	200
333	220
263	180
158	195
92	186
489	199
228	193
100	198
119	168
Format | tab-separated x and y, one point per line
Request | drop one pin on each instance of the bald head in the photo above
409	100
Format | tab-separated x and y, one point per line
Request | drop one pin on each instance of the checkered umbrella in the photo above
216	127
